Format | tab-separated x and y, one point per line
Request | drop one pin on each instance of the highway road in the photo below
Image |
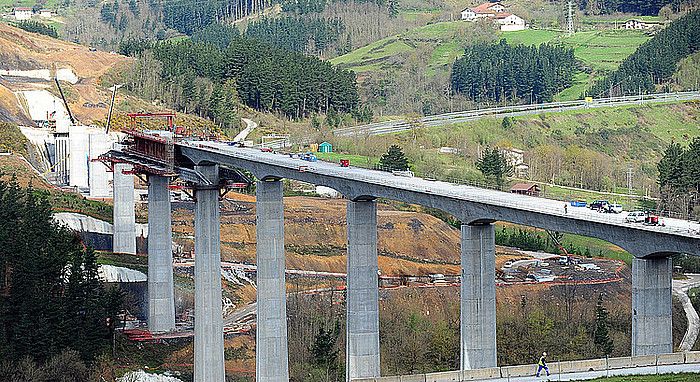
513	111
553	208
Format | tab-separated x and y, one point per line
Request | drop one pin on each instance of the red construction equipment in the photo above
344	163
169	117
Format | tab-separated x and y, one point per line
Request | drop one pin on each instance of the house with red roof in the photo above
23	13
496	11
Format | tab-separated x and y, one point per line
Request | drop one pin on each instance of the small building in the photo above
23	13
509	22
495	11
325	147
525	189
45	13
635	24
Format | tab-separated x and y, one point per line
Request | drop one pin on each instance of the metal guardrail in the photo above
461	116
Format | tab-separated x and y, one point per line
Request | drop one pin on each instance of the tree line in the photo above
679	178
51	298
316	6
264	77
642	7
37	27
311	35
501	72
655	61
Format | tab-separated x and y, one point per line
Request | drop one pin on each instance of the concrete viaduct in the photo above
202	163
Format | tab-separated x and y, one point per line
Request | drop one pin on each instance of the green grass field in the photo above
599	51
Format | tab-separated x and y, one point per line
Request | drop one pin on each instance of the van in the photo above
636	217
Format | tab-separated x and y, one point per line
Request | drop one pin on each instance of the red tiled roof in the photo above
503	15
22	9
484	8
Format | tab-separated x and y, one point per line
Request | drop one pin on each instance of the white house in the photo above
23	13
510	22
641	25
495	11
45	13
482	11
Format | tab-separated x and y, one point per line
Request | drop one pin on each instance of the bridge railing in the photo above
646	364
542	193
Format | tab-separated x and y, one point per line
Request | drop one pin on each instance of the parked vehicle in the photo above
578	203
651	220
309	157
344	163
407	173
599	205
266	150
636	217
615	208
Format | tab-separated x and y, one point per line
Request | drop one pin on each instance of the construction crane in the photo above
111	106
60	90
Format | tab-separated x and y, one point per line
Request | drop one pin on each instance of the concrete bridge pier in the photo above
124	228
362	343
161	296
651	306
478	297
271	357
208	320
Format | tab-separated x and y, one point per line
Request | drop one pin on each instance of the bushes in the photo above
37	27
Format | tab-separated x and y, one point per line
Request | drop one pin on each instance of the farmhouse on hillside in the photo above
641	25
45	13
495	11
23	13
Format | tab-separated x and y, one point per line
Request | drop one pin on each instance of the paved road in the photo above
250	126
553	208
685	368
680	289
513	111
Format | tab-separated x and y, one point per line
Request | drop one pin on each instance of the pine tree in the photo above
394	159
494	165
601	337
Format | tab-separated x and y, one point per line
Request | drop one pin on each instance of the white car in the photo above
616	208
636	217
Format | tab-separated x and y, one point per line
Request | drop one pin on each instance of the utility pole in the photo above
570	18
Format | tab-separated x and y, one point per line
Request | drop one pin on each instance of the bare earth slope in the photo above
24	51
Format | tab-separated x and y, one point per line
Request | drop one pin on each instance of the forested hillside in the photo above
312	35
654	62
203	78
643	7
498	72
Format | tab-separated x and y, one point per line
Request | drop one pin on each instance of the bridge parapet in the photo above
605	366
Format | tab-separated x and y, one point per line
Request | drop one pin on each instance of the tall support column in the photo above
271	357
161	298
651	306
124	232
362	343
478	297
208	320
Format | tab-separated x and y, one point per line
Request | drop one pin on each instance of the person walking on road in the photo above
566	207
542	364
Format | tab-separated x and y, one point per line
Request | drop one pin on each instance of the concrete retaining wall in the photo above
554	368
